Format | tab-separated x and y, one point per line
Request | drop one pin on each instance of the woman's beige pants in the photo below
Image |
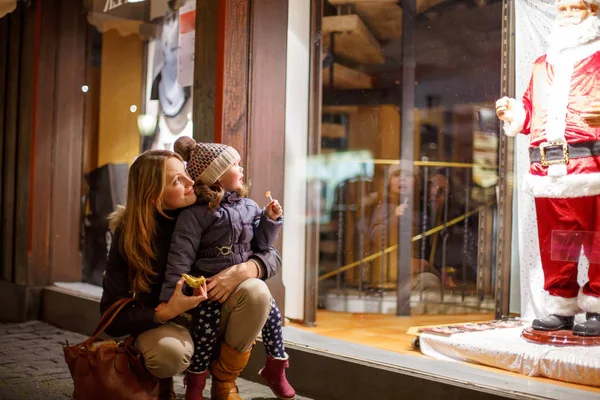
168	349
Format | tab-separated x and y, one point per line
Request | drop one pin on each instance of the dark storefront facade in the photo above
86	87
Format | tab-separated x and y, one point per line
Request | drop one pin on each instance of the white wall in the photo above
296	145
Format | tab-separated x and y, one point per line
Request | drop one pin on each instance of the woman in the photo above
384	228
159	186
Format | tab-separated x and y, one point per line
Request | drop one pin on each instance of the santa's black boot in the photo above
591	327
553	322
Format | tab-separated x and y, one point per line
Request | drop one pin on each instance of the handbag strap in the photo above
109	316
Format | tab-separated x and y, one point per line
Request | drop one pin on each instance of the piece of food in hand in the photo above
268	194
193	282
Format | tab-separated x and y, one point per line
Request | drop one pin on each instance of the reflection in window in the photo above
366	189
138	97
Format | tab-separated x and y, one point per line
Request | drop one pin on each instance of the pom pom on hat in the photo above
184	147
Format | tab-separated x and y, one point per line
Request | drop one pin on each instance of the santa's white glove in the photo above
512	112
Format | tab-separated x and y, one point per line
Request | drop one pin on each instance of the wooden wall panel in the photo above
65	259
10	143
235	80
267	124
42	139
205	70
4	29
266	162
23	228
42	66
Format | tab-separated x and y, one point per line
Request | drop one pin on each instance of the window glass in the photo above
366	189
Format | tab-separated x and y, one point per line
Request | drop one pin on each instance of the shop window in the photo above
365	187
138	97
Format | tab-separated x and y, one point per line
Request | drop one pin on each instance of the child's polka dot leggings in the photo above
205	326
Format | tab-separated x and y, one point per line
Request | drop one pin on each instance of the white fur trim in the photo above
588	303
567	186
574	54
285	357
556	170
195	373
516	126
557	102
562	306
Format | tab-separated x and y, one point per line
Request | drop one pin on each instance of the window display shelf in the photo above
384	19
422	5
353	40
342	2
340	109
333	130
346	78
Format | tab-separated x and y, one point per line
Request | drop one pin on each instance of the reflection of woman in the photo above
440	189
158	186
385	219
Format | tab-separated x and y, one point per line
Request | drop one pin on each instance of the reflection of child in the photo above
223	229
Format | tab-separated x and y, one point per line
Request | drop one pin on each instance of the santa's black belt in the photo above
217	251
560	152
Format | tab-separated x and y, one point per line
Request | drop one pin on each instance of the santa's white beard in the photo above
565	37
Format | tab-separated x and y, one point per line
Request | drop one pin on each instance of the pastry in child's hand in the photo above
193	282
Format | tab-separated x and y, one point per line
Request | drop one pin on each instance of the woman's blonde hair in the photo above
145	189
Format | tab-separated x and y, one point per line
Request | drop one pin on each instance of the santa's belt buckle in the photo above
565	149
224	250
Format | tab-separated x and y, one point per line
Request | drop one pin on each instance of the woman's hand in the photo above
180	303
225	282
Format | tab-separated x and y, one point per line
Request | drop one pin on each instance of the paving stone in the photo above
32	366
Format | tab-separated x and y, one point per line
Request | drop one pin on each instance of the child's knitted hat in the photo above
206	162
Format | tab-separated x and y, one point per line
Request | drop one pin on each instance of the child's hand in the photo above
274	210
401	209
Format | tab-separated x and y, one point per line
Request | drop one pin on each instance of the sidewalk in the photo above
32	366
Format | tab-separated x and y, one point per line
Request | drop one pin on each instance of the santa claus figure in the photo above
560	113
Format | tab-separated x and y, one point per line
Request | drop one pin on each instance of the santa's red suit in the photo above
567	192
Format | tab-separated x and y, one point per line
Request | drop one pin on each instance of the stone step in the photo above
330	369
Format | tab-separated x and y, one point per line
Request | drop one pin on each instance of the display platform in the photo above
506	349
559	338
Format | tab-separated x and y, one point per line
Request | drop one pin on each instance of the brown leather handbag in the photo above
104	369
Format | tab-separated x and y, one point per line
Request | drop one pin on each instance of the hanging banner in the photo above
128	9
187	33
128	17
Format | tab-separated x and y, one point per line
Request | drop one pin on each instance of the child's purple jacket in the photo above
199	234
